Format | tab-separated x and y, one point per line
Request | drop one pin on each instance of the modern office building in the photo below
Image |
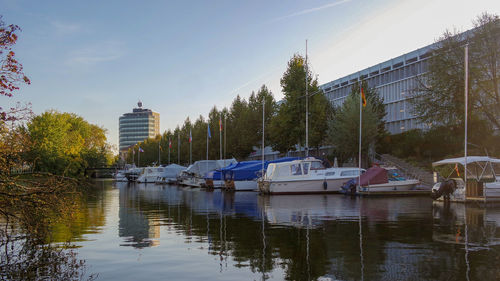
393	80
138	125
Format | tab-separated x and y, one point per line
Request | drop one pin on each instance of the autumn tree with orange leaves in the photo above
11	71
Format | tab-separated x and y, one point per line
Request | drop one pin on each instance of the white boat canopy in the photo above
470	159
479	167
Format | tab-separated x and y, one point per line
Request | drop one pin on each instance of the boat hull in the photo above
391	186
245	185
300	186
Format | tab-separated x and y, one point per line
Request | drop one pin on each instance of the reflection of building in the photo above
138	125
138	229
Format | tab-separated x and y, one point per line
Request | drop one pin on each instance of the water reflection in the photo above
244	235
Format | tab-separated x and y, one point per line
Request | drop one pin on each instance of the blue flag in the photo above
208	130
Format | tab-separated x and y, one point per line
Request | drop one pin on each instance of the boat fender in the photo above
325	185
353	189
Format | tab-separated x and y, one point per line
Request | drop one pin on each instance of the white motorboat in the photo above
133	174
304	176
483	179
120	176
169	174
383	180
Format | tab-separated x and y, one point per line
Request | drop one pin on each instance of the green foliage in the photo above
66	144
439	98
343	128
288	126
242	124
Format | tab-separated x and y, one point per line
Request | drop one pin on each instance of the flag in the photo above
190	137
220	124
363	97
208	131
140	149
169	143
456	169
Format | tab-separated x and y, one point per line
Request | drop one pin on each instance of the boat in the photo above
169	174
149	174
119	176
483	179
194	175
244	177
133	174
213	179
383	181
304	176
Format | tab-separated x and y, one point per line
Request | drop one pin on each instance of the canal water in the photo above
153	232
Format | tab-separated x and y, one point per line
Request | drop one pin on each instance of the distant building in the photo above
393	80
138	125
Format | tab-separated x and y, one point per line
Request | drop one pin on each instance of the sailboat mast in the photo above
307	110
466	66
263	128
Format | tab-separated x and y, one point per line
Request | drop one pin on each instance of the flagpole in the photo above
220	136
263	128
208	128
307	111
139	157
169	144
225	129
360	119
466	66
190	147
179	147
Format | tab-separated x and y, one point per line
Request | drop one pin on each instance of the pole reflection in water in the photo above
305	237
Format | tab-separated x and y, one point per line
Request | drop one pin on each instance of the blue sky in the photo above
180	58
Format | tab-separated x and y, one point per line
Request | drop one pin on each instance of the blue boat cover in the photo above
252	171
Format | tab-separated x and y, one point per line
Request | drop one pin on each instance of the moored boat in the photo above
383	181
304	176
483	179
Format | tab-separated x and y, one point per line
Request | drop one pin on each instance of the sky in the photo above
181	58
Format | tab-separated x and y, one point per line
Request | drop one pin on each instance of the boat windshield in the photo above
305	166
316	165
395	175
295	169
349	173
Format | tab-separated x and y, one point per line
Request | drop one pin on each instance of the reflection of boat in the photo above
382	180
474	226
169	173
483	183
304	176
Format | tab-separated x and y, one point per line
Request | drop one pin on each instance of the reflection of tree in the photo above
397	237
32	213
26	260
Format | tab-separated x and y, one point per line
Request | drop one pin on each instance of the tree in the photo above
11	70
66	144
344	126
288	126
439	97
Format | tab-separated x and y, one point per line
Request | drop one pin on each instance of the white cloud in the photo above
311	10
97	53
65	28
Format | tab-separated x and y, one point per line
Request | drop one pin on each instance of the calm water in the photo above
151	232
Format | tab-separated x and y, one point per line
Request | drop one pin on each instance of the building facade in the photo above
138	125
393	80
